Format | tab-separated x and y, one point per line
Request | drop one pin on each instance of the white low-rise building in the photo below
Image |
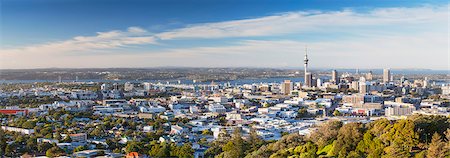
151	109
106	109
398	109
217	108
221	100
18	130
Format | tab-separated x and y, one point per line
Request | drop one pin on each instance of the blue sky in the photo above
200	33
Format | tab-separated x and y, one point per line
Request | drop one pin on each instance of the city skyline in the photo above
224	78
361	35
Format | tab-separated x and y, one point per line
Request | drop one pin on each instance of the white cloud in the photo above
414	51
394	37
101	41
300	22
136	30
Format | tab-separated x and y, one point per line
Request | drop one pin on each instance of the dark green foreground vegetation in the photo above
417	136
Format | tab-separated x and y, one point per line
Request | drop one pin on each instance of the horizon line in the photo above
221	67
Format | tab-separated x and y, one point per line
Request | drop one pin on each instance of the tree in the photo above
354	154
337	113
133	146
447	136
326	133
186	151
348	138
308	150
370	145
42	147
55	152
215	147
67	139
436	148
79	148
207	132
236	147
116	150
254	140
31	144
402	133
11	149
302	113
57	136
45	131
164	150
203	141
381	138
97	132
421	154
29	124
427	125
2	142
159	149
396	150
380	127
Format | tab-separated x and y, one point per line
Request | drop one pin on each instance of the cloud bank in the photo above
393	37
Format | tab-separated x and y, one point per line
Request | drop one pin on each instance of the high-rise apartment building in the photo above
386	75
335	77
308	80
286	87
364	87
369	76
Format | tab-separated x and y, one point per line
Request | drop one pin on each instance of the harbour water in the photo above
232	82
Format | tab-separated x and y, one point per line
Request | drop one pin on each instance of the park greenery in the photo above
416	136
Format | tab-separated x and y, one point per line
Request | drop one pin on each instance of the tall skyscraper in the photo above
287	87
391	77
386	75
308	79
319	83
335	77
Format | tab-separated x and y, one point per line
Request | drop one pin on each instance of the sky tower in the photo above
308	76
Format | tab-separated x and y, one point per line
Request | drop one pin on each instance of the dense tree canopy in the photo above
381	138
